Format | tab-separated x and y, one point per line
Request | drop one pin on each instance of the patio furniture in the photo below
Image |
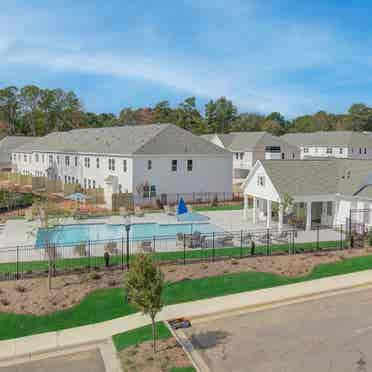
29	215
169	210
123	211
112	248
138	212
146	246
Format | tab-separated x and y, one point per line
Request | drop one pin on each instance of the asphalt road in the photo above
87	361
331	334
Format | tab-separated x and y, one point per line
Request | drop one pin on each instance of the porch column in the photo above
254	210
268	217
245	211
280	217
308	216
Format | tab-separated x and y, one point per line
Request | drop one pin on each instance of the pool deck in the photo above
20	232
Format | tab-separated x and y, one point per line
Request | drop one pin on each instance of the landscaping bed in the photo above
31	296
136	354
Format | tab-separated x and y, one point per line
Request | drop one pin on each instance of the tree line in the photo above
34	111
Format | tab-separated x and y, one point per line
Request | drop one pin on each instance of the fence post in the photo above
122	253
154	243
17	277
341	242
241	243
267	241
213	247
317	238
184	249
89	264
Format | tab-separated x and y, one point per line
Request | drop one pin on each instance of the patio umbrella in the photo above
182	209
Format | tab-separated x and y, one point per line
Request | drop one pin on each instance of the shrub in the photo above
20	288
96	276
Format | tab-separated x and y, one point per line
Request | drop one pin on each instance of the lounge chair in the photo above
169	210
138	212
146	246
29	215
123	211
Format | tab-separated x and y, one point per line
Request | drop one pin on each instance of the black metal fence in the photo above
30	261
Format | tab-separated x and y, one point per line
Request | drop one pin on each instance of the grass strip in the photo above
109	303
139	335
81	262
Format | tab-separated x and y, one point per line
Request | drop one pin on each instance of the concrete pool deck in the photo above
21	233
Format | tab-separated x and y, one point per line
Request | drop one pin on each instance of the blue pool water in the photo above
72	234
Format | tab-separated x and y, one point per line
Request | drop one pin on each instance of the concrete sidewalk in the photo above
27	346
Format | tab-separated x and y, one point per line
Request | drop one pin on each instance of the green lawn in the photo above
71	263
139	335
109	303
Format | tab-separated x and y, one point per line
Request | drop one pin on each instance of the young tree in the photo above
144	283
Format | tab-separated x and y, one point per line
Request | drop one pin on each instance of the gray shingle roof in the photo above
126	140
10	143
330	139
318	177
247	141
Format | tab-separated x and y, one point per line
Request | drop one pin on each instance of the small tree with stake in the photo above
144	283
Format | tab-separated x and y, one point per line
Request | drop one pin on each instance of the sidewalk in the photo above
26	346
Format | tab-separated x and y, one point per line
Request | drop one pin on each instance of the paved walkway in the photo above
101	331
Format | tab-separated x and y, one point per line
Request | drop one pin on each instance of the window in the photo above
67	161
73	180
293	155
69	179
25	158
329	150
89	184
352	150
43	158
146	191
125	166
111	164
283	155
120	189
241	155
94	184
237	156
360	150
174	165
50	159
149	164
65	179
87	162
152	191
15	157
329	208
189	165
261	181
365	151
341	150
306	150
85	183
76	161
273	149
37	158
97	162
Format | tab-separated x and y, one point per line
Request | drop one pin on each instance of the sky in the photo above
295	57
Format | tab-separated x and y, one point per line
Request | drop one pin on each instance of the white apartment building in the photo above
248	147
337	144
147	160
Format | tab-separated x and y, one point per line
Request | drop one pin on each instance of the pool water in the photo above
72	234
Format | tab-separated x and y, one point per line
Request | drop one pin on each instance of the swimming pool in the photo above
72	234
